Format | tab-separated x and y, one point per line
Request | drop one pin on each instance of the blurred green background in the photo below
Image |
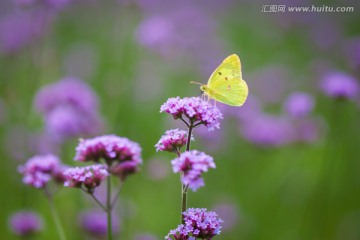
137	54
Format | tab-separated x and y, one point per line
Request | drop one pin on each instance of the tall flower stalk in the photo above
191	164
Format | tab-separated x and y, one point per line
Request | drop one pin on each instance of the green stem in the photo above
116	197
184	188
108	209
98	202
189	137
55	215
183	201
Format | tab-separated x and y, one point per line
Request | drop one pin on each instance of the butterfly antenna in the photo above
196	83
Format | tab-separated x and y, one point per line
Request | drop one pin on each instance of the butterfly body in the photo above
226	84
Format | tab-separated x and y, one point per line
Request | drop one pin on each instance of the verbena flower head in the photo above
192	164
173	140
88	177
124	169
25	223
299	104
199	224
340	85
196	110
95	223
111	148
39	170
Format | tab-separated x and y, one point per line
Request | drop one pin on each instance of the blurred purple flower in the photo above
340	85
155	33
95	223
25	223
87	178
199	224
39	170
172	141
198	111
192	164
229	213
299	104
21	28
268	130
111	148
69	92
65	122
69	108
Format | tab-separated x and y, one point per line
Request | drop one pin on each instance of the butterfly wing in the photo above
226	84
231	66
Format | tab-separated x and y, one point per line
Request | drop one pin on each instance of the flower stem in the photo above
184	188
98	202
191	126
116	197
183	201
55	214
108	209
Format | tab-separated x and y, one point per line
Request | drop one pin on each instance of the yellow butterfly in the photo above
226	84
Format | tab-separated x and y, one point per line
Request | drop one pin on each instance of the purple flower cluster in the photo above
108	147
40	169
89	177
172	141
340	85
198	111
121	155
299	104
192	164
69	108
95	223
199	224
25	223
